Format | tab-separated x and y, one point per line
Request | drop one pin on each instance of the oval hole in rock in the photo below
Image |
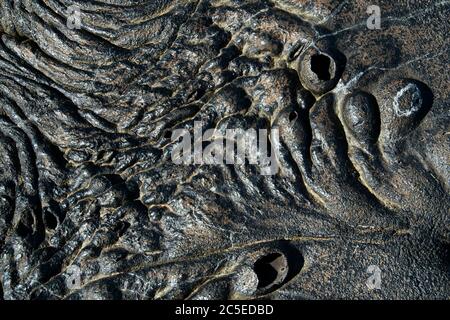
275	269
269	268
320	65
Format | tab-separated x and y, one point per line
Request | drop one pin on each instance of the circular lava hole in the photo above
266	269
320	65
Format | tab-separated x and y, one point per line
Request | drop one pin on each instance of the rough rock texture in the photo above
93	207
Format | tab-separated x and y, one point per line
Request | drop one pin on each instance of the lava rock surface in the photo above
93	207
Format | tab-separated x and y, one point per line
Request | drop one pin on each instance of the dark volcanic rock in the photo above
92	205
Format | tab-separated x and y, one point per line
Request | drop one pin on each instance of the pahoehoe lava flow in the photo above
93	205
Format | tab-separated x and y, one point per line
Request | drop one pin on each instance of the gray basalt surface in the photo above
93	207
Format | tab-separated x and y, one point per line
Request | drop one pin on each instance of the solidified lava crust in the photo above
93	205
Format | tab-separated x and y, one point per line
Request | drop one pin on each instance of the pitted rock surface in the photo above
93	207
